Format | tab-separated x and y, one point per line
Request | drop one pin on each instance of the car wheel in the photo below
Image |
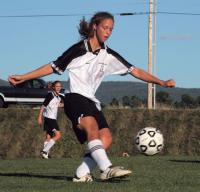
1	103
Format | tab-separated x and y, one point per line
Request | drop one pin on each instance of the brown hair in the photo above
86	29
53	84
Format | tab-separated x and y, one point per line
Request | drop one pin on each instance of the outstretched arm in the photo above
145	76
40	115
40	72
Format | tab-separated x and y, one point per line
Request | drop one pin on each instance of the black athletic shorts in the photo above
77	106
50	126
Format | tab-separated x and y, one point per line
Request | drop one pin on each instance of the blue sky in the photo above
29	42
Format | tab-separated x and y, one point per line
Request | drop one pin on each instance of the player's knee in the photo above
57	136
106	137
109	140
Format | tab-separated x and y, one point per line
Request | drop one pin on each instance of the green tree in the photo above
114	102
197	101
125	101
187	101
177	104
135	101
163	97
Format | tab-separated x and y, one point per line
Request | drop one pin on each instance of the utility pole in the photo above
154	50
151	96
150	53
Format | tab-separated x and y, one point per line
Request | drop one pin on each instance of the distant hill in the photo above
117	89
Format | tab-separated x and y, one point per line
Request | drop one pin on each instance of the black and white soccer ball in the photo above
149	141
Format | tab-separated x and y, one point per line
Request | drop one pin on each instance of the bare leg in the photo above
99	141
52	141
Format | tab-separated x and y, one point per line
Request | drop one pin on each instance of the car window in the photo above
22	85
37	84
29	84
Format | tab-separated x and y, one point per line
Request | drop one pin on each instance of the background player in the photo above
49	110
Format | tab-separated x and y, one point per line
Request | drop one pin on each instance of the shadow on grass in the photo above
66	178
112	180
185	161
36	176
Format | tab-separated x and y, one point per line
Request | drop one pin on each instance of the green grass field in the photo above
150	174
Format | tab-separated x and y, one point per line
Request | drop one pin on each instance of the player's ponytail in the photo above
86	29
49	85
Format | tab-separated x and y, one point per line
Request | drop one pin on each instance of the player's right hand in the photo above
15	79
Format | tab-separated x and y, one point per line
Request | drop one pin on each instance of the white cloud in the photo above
176	37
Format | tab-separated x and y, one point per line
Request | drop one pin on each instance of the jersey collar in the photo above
54	94
89	48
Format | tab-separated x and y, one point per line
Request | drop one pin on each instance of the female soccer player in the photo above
88	62
49	110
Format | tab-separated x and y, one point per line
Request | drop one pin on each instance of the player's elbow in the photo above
136	72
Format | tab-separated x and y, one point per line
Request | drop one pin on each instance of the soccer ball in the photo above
149	141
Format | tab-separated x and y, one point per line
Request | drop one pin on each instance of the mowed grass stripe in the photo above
157	173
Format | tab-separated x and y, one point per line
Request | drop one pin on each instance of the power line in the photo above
40	15
120	14
158	12
66	15
178	13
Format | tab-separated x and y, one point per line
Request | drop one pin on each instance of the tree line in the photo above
162	98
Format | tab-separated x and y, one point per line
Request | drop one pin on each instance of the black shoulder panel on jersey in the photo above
48	98
119	57
73	52
62	96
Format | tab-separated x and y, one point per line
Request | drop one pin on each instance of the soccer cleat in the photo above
115	172
44	155
86	178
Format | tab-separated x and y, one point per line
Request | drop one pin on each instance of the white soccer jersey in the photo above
87	69
51	104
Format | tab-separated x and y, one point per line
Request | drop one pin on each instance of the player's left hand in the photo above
169	83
